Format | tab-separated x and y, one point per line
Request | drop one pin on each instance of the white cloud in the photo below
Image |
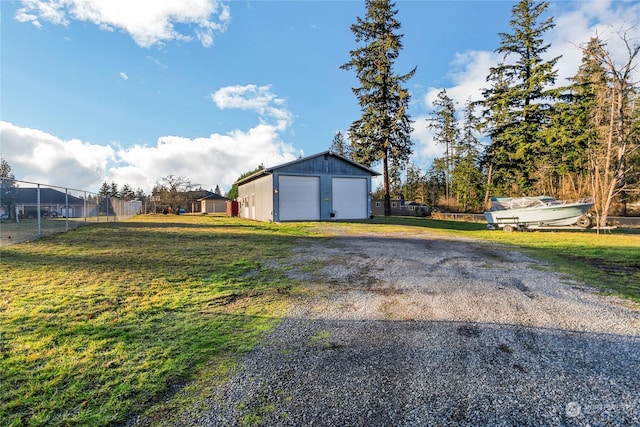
149	22
259	99
32	10
208	161
124	76
40	157
37	156
426	146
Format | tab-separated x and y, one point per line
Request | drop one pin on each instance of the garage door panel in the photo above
350	198
299	198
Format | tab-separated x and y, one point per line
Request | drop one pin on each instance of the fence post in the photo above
38	208
66	202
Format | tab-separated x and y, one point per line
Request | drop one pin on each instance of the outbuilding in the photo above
212	203
320	187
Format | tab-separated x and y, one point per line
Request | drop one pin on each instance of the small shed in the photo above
320	187
213	203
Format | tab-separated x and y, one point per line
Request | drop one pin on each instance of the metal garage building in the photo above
319	187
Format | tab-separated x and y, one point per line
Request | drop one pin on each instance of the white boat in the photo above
510	213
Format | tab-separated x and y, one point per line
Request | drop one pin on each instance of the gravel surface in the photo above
417	330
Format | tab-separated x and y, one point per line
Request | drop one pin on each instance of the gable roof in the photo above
213	196
47	196
268	171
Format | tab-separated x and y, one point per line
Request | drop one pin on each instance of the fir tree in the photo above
105	189
413	187
7	188
575	125
113	190
521	91
445	124
5	169
383	132
340	146
127	192
466	178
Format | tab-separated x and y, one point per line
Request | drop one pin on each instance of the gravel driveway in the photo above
420	330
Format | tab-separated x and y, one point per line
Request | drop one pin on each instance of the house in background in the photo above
400	207
193	200
319	187
213	203
52	203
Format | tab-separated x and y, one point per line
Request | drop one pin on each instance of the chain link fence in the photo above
31	210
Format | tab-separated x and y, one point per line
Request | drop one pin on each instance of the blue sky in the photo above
133	90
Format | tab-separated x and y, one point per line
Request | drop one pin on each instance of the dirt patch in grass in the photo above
611	267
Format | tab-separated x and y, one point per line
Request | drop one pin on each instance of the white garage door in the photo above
299	198
350	198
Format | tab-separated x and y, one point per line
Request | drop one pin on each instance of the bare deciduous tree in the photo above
608	157
171	193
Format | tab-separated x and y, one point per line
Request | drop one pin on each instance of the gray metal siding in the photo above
298	198
213	206
323	165
326	193
256	199
259	198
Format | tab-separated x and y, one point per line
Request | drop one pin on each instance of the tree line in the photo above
525	136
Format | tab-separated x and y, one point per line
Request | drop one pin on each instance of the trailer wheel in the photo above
508	228
584	221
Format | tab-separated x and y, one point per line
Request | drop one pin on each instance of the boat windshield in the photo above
503	203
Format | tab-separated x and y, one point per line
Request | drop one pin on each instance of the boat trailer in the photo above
510	224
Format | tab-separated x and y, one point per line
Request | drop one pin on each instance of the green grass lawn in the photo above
108	320
12	232
99	322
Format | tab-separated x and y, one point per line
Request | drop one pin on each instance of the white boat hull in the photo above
555	214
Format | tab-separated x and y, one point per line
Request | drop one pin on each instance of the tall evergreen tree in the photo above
445	124
113	190
434	184
7	188
139	194
413	188
5	169
383	133
127	192
340	146
575	125
527	94
466	177
499	157
105	189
